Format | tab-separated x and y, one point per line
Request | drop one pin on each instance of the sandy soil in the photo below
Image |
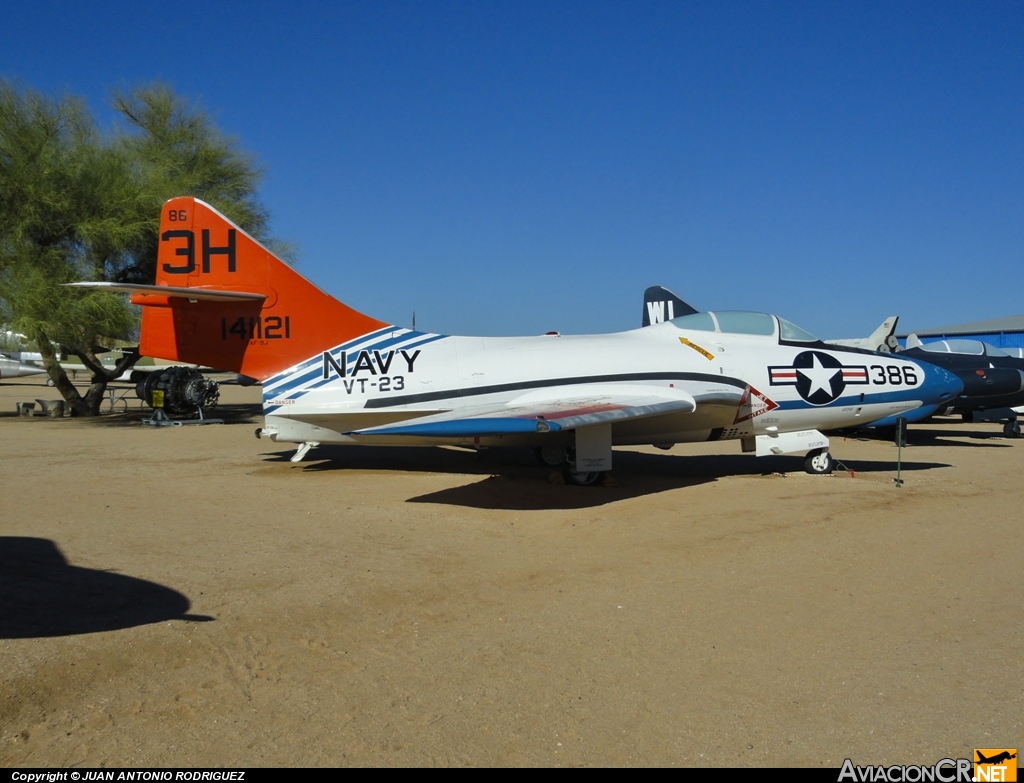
186	596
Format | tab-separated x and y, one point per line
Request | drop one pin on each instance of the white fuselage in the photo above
743	384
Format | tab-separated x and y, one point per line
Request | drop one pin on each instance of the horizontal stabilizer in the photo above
194	294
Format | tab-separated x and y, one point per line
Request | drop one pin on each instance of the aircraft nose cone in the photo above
28	369
938	386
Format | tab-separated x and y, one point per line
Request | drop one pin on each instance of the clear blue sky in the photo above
515	167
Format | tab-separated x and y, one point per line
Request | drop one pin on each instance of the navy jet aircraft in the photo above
333	375
658	299
993	379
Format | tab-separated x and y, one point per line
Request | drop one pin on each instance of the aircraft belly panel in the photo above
834	417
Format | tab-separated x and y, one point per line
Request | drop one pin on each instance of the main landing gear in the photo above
565	458
551	456
819	462
583	478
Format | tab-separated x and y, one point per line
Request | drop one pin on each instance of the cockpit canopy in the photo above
963	346
745	322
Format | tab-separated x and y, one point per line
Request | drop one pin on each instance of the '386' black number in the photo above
893	374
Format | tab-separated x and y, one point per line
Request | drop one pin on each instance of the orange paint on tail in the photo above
202	249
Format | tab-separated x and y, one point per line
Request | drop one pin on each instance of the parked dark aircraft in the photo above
993	379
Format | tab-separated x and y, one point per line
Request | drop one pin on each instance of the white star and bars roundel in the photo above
820	378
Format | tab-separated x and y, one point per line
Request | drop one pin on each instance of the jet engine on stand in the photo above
186	391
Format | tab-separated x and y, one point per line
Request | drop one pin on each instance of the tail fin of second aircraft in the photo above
883	338
660	304
225	301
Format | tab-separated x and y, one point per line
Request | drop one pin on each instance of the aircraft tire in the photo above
819	462
1012	429
552	456
583	478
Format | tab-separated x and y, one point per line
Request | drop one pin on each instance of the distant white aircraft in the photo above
31	364
333	375
883	339
12	368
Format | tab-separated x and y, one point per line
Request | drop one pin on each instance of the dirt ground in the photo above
187	596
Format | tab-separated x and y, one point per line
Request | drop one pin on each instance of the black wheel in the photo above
552	456
583	479
819	462
1012	429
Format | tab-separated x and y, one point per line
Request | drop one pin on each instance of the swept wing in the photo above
554	409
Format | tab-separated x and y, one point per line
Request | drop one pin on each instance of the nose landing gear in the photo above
819	462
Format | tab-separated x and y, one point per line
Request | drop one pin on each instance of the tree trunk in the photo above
60	379
89	405
94	397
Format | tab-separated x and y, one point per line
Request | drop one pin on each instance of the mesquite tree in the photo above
77	204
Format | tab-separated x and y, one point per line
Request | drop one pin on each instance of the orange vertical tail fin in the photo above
284	320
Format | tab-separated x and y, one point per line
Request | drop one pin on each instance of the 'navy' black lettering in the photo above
410	359
329	362
383	365
363	363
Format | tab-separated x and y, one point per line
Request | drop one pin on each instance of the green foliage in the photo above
78	205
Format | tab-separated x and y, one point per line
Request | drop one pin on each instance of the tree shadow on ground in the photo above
42	595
